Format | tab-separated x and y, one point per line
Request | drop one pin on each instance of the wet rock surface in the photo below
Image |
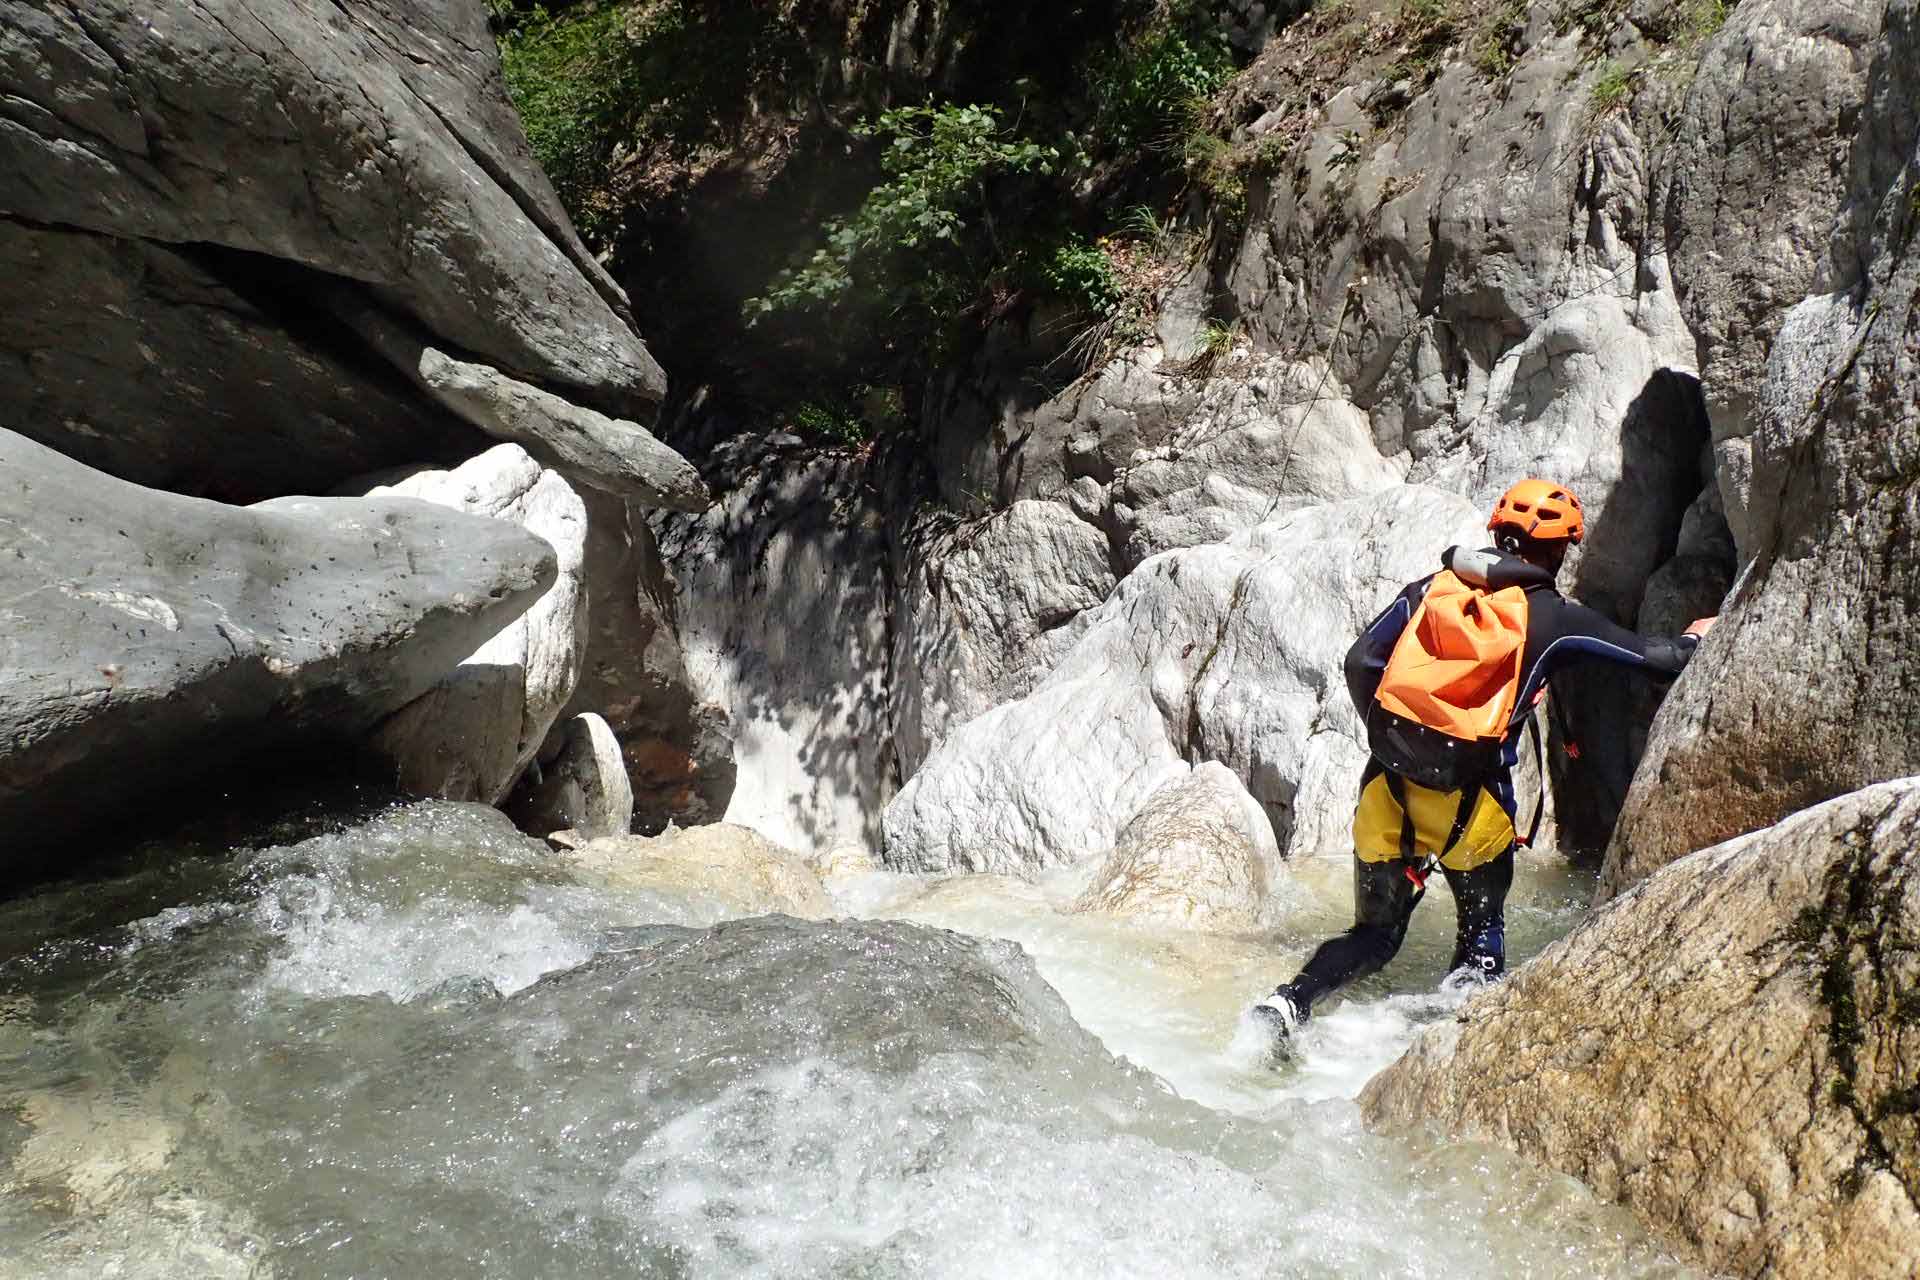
1730	1048
152	639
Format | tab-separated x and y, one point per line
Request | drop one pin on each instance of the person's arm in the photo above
1367	658
1570	633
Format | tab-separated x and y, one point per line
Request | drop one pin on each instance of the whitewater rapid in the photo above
421	1045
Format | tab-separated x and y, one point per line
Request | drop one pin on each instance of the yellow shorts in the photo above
1378	820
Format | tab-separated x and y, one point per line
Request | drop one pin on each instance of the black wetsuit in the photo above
1560	633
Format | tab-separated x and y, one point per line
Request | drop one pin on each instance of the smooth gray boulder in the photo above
613	454
1806	689
148	640
270	158
1732	1049
469	737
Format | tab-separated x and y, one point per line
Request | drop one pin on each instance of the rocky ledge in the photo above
1732	1049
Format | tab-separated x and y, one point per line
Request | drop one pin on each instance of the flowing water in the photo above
420	1046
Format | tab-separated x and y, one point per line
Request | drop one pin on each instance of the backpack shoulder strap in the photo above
1540	775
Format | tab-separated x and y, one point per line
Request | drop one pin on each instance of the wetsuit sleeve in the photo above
1367	659
1563	633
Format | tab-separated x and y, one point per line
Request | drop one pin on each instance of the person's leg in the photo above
1480	907
1383	902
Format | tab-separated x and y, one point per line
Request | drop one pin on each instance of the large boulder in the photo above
1228	652
283	164
149	640
1200	852
1806	689
1731	1049
471	735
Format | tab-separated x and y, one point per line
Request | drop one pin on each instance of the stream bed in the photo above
421	1045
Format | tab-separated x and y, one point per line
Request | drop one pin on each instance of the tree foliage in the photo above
921	237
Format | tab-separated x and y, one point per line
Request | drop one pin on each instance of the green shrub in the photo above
1150	89
1083	274
575	80
1611	88
1498	45
919	247
598	80
829	423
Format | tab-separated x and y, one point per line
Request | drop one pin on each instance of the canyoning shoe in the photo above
1281	1014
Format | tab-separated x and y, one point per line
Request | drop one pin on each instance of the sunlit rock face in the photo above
1731	1048
1228	652
1806	688
1749	229
782	616
199	197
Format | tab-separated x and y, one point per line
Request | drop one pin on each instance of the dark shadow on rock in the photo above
1604	709
208	797
794	558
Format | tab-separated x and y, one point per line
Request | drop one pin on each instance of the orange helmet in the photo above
1540	509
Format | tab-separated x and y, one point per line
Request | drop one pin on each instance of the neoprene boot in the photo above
1281	1014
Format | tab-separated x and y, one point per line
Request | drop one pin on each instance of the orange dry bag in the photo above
1447	697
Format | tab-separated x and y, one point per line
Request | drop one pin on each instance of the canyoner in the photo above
1446	679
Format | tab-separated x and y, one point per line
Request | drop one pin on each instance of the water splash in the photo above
422	1045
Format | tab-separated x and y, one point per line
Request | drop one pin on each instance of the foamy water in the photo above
422	1047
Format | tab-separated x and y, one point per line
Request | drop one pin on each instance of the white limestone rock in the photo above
1200	852
470	736
985	609
1228	652
1265	438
